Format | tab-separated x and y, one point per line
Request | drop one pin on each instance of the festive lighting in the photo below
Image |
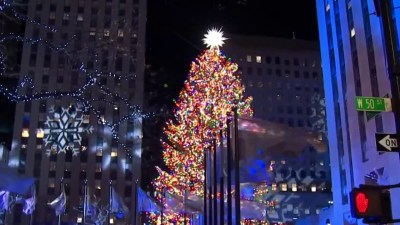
214	38
26	91
209	96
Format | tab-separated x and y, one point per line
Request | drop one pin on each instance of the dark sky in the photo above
176	27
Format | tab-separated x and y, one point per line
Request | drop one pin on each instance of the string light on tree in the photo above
210	94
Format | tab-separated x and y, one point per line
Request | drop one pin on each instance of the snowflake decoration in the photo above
63	130
318	115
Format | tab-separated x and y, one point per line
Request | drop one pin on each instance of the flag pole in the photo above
135	210
205	189
61	189
110	203
31	216
237	174
229	170
84	203
162	204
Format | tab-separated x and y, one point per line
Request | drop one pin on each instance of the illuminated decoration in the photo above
214	38
209	96
91	76
361	202
63	130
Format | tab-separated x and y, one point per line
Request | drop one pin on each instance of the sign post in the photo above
387	142
373	104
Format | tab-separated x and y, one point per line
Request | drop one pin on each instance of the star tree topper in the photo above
214	38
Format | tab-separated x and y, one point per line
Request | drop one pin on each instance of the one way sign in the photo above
387	142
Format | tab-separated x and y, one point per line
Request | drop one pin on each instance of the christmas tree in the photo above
210	95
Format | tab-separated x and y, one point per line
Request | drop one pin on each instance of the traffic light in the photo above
371	203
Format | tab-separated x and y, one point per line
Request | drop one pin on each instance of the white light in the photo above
214	38
111	221
79	220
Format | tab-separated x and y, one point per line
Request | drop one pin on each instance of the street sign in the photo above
387	142
376	104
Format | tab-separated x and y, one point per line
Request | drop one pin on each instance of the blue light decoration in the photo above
64	130
86	104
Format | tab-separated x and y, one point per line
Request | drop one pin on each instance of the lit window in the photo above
98	187
352	32
39	133
51	183
80	17
114	154
307	211
66	16
273	187
321	163
258	59
111	220
327	7
98	167
106	33
86	118
313	188
248	58
294	187
99	152
25	132
284	187
283	162
317	211
79	220
120	33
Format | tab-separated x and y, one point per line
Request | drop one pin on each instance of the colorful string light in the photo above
209	96
81	94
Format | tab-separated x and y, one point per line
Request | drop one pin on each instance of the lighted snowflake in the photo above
318	115
64	130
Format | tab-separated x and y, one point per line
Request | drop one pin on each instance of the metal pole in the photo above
237	174
205	189
61	190
215	183
84	203
210	206
110	203
135	212
184	207
162	204
222	203
229	170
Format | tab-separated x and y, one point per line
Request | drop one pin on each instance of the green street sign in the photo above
375	104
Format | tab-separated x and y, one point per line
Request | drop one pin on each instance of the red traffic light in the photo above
361	202
370	202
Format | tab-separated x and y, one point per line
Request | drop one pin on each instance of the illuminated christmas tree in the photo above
210	95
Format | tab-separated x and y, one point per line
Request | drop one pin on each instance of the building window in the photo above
258	59
313	188
106	33
284	187
352	32
273	187
277	60
25	132
248	58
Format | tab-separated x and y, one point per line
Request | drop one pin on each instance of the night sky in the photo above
175	29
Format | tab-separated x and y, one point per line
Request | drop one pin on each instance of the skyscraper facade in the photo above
94	49
353	62
284	78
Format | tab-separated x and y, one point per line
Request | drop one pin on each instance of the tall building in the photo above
104	38
353	61
284	78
